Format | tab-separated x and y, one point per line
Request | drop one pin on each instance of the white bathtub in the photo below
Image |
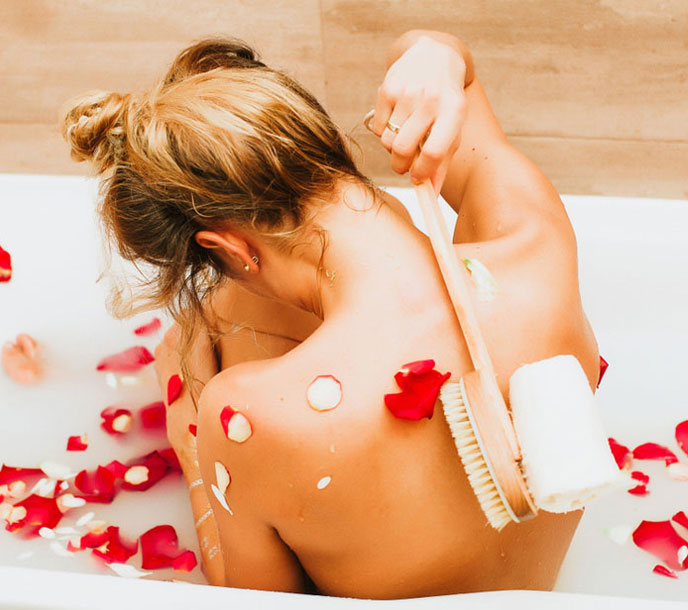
634	280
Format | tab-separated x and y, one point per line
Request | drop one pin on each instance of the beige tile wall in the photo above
595	91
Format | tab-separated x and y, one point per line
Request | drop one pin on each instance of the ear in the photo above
230	245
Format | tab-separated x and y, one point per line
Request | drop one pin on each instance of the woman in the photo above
228	169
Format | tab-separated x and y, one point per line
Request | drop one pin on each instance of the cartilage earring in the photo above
255	259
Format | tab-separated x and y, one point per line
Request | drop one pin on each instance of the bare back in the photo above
373	506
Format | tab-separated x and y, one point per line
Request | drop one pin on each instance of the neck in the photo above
375	258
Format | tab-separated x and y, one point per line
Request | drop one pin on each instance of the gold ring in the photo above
392	127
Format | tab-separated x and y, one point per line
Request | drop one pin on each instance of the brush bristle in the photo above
456	407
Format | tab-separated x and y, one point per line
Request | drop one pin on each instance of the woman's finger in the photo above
410	137
442	141
384	104
397	121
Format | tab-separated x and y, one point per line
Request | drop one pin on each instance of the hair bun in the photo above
94	127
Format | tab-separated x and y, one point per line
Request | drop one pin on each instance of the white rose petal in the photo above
222	476
127	571
324	393
239	428
484	280
57	471
221	499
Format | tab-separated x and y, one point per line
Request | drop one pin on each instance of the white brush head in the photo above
567	461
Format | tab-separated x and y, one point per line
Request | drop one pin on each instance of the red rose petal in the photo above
622	454
97	486
419	367
116	420
185	562
157	467
108	545
681	518
128	361
77	443
171	458
420	385
640	476
116	468
653	451
193	429
40	512
682	436
9	474
93	539
638	490
153	416
5	266
662	541
174	388
148	329
603	369
159	548
659	569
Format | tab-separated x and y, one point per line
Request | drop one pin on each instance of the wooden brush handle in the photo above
457	279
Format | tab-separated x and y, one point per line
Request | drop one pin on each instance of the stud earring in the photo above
255	259
245	267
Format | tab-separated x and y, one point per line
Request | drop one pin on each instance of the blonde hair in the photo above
222	138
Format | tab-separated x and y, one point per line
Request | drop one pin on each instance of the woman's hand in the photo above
422	94
182	412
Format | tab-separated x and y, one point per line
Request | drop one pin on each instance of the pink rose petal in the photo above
159	548
175	385
661	540
681	434
5	266
420	385
116	420
128	361
21	360
148	329
653	451
77	443
153	416
622	454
